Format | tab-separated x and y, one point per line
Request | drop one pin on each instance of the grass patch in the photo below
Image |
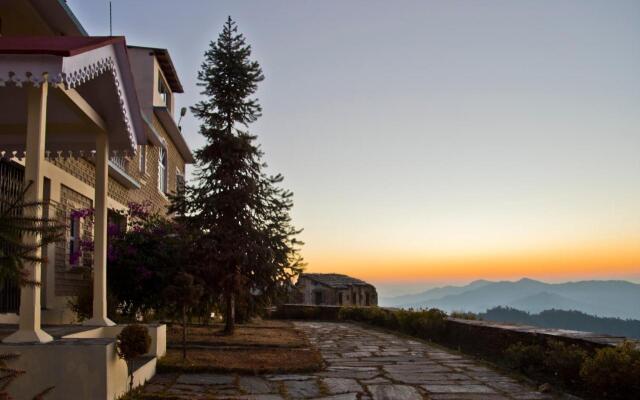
258	334
255	348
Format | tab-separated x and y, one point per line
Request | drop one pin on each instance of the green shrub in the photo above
463	315
133	341
565	361
426	324
352	314
527	358
613	372
308	313
381	317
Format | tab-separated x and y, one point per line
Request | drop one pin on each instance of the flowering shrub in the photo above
144	251
143	260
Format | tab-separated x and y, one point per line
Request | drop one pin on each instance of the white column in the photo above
100	234
29	329
49	278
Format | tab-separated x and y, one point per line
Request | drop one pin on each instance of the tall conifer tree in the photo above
248	243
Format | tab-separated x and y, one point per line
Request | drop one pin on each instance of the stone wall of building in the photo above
361	295
149	179
85	171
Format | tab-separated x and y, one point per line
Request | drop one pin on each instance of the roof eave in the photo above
167	66
60	17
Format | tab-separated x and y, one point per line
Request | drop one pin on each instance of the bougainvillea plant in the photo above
141	259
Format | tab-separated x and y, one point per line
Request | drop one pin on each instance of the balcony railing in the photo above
120	161
119	170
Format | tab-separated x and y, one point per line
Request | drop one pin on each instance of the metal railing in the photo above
120	161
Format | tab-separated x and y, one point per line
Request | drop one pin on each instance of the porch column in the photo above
100	234
29	329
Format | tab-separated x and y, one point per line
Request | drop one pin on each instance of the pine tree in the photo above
248	244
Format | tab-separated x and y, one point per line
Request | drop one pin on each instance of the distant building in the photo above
334	290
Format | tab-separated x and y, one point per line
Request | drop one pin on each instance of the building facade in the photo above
149	175
334	290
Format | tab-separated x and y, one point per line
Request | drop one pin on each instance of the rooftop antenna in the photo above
110	21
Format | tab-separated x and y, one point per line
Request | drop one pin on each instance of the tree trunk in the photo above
184	332
230	318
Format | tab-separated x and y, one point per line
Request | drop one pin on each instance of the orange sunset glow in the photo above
596	260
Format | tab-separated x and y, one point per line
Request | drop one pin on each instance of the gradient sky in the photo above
435	141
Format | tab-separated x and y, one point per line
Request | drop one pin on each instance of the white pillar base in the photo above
28	336
98	322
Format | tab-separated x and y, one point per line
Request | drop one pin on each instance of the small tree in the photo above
132	342
17	223
184	294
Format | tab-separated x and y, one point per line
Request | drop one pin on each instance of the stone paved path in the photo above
361	364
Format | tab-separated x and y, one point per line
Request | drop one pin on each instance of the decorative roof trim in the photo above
73	71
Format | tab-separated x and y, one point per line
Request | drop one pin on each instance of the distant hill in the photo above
545	301
431	294
617	299
561	319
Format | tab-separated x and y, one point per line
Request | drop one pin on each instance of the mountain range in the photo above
612	298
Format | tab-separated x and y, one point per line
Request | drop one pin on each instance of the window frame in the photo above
74	239
163	168
163	91
142	159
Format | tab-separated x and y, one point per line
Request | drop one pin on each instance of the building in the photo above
89	122
334	290
147	173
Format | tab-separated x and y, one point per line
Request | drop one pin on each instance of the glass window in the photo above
162	170
142	158
74	240
165	94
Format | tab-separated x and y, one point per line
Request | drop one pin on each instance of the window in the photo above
165	94
116	223
179	181
162	170
142	158
74	239
318	298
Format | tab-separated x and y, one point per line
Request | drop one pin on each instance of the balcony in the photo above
118	167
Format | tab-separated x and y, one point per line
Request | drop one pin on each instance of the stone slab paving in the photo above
361	364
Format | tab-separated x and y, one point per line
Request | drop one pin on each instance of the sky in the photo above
432	142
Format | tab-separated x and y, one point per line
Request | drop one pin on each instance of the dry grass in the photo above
256	348
260	334
253	361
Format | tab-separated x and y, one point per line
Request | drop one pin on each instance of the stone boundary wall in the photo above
472	336
306	312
